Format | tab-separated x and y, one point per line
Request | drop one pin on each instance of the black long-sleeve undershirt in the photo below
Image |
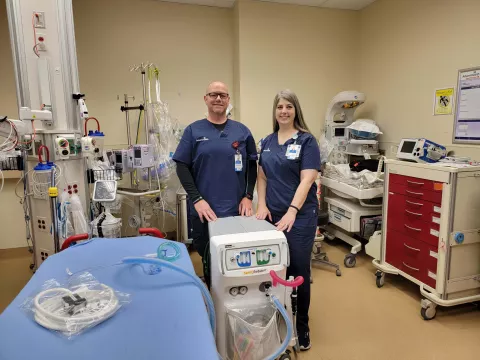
186	179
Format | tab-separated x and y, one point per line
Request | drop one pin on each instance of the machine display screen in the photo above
138	153
408	147
339	132
119	158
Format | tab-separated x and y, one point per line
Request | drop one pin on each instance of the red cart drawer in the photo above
399	205
416	229
426	195
416	183
393	252
413	257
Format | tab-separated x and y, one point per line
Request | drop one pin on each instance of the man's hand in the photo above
263	212
205	211
245	207
286	222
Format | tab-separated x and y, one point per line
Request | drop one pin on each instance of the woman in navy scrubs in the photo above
289	165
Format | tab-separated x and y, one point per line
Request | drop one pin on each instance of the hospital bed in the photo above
166	318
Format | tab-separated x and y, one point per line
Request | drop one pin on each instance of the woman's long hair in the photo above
298	122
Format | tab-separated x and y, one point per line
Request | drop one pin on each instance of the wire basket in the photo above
11	163
108	174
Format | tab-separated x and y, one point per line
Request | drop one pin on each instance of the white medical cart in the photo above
431	231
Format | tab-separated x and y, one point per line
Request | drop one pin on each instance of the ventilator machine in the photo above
249	257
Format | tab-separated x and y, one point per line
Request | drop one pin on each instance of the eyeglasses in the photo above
214	95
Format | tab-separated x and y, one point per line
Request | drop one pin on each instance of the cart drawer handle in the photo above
410	247
410	267
413	213
414	203
416	183
411	192
411	228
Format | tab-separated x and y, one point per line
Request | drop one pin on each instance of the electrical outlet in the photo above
42	224
41	45
44	253
39	19
72	188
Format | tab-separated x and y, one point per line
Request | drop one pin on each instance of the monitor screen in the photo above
118	158
340	131
138	153
408	147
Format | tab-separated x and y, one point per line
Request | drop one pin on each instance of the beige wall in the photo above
191	45
396	52
310	50
410	48
11	213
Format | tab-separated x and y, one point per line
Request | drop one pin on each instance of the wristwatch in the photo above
249	196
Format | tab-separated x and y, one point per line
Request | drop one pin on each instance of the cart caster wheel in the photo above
338	272
350	260
285	357
31	266
380	279
429	313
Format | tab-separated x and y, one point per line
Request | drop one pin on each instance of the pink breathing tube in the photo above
278	280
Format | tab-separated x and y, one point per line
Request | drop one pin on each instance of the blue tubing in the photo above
288	337
196	281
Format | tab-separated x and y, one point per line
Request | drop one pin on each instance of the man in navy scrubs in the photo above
216	165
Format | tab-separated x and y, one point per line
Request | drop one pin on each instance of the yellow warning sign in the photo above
443	101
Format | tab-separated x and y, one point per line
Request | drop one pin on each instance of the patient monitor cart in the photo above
243	252
431	231
347	205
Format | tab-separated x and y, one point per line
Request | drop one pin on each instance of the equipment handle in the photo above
72	239
91	118
277	279
153	232
47	152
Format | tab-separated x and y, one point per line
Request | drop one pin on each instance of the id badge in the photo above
238	162
293	151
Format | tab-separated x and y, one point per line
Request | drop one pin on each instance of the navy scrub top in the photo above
283	174
211	156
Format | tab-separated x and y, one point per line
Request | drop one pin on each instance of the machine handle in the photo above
413	213
416	183
288	254
277	279
152	231
72	239
222	265
414	203
410	267
411	228
411	248
415	193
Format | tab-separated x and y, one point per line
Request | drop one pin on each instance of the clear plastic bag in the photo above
325	148
252	333
71	308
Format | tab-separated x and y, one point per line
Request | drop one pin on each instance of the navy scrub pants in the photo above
201	243
300	242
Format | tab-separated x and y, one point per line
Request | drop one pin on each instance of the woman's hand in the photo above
286	222
263	212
